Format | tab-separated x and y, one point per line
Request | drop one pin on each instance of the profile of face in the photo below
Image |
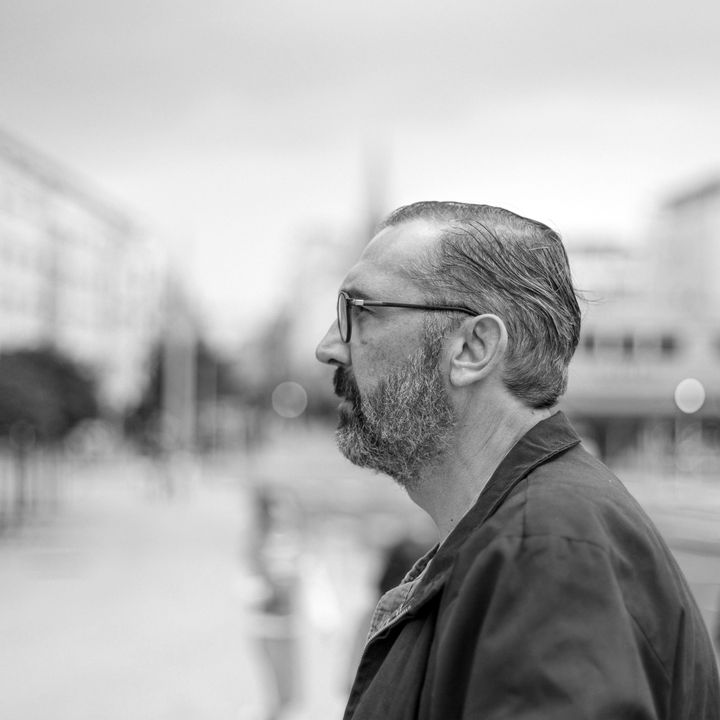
396	416
404	422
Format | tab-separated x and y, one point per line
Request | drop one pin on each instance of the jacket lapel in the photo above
548	438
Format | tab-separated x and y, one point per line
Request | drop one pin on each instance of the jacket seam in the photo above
523	535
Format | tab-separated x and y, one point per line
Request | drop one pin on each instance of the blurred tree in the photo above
214	380
43	395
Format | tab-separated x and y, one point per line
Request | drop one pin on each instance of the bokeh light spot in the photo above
289	399
689	395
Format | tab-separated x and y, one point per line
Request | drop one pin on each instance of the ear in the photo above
478	350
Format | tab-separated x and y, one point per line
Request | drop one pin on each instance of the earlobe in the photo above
478	350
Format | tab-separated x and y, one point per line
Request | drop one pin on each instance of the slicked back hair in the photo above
495	261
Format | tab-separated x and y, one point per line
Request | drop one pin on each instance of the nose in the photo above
331	350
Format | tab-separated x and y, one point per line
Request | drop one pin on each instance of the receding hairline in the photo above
446	212
452	217
419	266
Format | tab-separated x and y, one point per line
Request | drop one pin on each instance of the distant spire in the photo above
376	161
700	192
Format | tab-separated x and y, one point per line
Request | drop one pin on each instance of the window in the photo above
668	345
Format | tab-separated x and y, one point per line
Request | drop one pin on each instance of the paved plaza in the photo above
127	604
140	596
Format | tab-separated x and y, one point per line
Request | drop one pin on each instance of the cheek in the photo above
371	364
367	373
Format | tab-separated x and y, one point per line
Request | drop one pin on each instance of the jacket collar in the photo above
544	441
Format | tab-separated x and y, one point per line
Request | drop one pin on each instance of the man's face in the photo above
396	415
404	423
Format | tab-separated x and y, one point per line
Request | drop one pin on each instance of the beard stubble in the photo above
404	424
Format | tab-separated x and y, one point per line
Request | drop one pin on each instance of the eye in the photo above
361	310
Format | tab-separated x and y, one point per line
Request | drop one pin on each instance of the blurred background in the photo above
183	187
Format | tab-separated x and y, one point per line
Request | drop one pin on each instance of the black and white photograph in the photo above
359	361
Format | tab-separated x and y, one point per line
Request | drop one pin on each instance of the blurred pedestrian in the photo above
275	560
550	594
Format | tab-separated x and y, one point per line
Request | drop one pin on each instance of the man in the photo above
551	594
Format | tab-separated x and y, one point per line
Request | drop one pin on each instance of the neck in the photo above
452	486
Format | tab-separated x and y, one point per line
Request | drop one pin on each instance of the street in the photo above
141	595
127	605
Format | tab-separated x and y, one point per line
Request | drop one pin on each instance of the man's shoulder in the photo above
575	497
577	480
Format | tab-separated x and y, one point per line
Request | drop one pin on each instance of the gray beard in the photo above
402	426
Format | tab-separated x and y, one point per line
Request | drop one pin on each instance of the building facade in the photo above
651	331
76	274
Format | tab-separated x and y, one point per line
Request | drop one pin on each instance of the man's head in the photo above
495	261
514	325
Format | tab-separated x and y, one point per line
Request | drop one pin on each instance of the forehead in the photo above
383	265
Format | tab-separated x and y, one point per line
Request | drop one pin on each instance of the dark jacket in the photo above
554	598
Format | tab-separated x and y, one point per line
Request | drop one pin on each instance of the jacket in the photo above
554	598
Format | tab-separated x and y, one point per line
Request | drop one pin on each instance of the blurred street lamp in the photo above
289	399
689	395
689	399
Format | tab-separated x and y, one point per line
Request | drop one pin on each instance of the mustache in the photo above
344	384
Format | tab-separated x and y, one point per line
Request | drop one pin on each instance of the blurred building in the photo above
320	267
323	256
646	377
76	273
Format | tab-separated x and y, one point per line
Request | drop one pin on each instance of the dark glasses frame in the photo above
345	302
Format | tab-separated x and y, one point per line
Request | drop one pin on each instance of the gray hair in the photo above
495	261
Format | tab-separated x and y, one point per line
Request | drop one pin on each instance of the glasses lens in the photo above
342	317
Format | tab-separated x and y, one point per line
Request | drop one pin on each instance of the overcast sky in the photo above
235	127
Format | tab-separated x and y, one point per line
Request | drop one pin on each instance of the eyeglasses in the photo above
344	318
